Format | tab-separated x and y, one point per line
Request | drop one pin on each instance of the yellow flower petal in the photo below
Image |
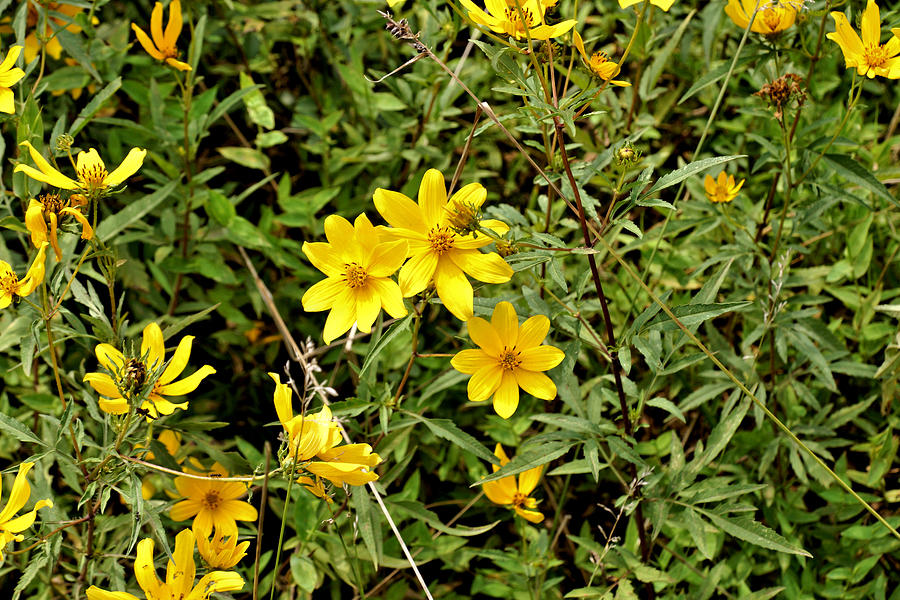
11	57
541	358
129	167
471	360
173	28
535	383
506	398
529	515
484	382
188	384
454	289
484	335
114	406
156	29
178	361
341	317
433	198
325	258
153	347
489	268
368	305
506	323
387	258
417	273
7	101
390	296
144	40
322	295
399	210
103	384
35	274
144	571
45	173
533	331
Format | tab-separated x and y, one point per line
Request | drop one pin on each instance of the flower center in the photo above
8	282
52	203
875	54
771	18
602	66
355	275
211	500
512	15
441	239
135	373
509	359
519	499
93	175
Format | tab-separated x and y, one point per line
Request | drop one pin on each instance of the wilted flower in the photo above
868	56
10	285
722	188
180	573
514	492
131	375
162	47
92	174
509	357
10	525
50	209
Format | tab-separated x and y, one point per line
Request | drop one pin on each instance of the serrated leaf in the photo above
753	532
689	170
448	430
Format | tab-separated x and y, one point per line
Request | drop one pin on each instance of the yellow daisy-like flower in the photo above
51	209
10	285
222	550
316	487
317	436
180	575
11	528
437	252
162	46
663	4
514	492
510	356
93	177
503	16
212	503
131	375
772	17
867	55
599	63
722	188
358	266
9	76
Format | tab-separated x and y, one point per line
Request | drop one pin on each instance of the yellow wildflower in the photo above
722	188
437	252
318	436
131	375
772	16
599	63
868	56
503	16
9	76
51	208
212	503
11	285
315	486
358	266
663	4
11	528
180	575
162	47
222	550
514	492
92	174
509	357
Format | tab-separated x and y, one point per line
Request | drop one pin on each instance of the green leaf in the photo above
246	157
753	532
420	513
257	109
575	424
533	456
304	572
668	406
220	208
694	314
447	430
84	117
16	429
859	175
393	331
690	169
114	224
366	521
